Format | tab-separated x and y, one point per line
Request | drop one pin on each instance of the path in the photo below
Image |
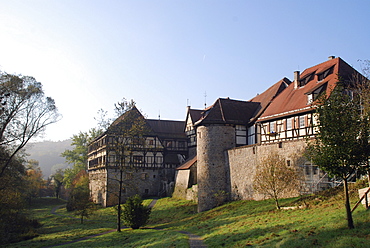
194	240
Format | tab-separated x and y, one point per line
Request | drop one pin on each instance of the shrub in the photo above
134	213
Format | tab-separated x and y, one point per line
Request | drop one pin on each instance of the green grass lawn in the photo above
236	224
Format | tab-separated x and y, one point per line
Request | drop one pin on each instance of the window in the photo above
151	142
289	122
309	98
129	176
272	127
181	144
314	169
138	159
305	80
280	145
323	75
301	121
288	162
144	176
308	171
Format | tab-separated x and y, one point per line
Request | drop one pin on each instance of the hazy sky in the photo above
167	54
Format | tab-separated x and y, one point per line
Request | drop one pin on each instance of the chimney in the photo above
331	57
296	79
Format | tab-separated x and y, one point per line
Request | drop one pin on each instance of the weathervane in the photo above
205	99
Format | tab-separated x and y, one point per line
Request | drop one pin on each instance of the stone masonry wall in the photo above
243	162
181	184
145	182
98	186
212	170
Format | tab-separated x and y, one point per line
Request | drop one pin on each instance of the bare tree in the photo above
24	113
127	138
275	178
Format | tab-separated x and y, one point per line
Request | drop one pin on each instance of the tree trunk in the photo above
276	201
348	206
119	201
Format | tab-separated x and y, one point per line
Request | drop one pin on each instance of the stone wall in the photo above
212	167
104	184
145	182
181	184
98	186
243	162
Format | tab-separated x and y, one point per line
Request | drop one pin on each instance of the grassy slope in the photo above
237	224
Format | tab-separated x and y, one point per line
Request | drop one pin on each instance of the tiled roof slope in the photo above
162	128
267	96
194	115
228	111
294	100
167	129
189	163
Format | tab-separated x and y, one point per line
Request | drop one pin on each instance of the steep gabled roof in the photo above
167	129
294	99
267	96
193	115
162	128
228	111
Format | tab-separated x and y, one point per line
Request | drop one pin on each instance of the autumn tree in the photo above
14	221
25	113
79	200
33	179
360	85
57	179
78	155
275	178
341	145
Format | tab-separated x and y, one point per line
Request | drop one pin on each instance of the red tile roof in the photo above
188	164
267	96
294	100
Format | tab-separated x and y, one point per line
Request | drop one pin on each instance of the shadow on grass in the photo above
136	238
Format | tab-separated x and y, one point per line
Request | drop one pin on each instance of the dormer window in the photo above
309	98
315	92
324	74
305	80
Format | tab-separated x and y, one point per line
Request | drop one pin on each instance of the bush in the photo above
134	213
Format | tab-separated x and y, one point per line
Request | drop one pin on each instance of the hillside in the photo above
48	155
321	223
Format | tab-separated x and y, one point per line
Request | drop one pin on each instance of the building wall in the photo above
181	184
295	127
243	162
98	186
212	167
143	182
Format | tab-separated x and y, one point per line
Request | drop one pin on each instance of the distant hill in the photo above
48	155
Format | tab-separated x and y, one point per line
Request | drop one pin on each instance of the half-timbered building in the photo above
218	149
149	165
232	136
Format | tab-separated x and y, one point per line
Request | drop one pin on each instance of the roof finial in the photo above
205	99
159	115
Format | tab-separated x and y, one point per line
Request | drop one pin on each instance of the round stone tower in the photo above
212	168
